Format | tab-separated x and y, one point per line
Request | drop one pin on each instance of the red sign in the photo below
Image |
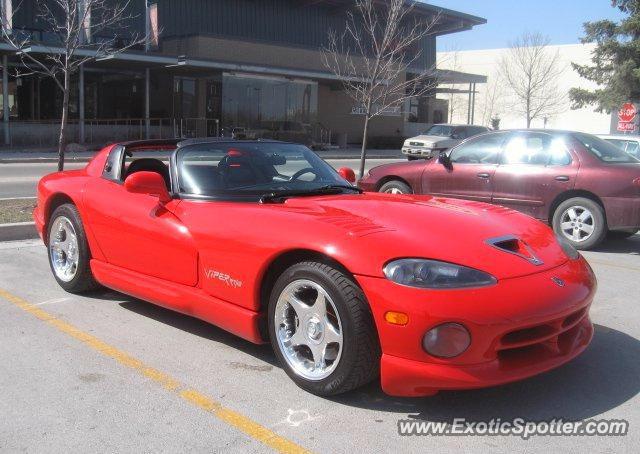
626	127
626	117
627	112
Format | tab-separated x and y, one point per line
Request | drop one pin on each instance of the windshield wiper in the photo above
281	196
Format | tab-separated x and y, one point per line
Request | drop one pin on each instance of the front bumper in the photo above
38	219
418	151
516	332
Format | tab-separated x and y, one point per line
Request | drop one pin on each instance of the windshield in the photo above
440	130
603	150
253	169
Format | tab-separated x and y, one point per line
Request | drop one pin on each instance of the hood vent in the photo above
514	245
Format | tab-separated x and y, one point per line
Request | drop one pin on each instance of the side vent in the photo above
514	245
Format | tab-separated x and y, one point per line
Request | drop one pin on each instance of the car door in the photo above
534	168
137	232
470	173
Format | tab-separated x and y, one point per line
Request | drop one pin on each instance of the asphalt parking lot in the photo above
106	372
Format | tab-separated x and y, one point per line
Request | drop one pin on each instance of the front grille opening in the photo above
532	334
571	319
567	340
523	354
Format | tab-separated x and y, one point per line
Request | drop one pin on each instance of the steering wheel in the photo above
304	171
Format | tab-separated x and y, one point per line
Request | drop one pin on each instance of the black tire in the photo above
359	361
412	158
599	222
83	280
621	234
396	185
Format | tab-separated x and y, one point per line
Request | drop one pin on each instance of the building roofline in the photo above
458	21
475	20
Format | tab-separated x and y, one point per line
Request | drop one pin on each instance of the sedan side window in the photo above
479	150
537	149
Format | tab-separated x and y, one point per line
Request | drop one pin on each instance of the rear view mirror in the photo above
348	174
150	183
277	160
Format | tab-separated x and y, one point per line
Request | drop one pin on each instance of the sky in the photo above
560	20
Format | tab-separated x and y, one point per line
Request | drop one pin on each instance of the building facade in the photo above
496	100
244	67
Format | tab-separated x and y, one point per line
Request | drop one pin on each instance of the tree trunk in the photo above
63	122
363	152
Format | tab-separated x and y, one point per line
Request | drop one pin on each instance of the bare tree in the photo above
492	101
379	46
72	24
532	71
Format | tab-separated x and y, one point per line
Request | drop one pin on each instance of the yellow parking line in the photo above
232	418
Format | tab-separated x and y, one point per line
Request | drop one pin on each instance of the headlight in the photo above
567	247
423	273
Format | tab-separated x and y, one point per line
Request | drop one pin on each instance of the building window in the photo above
269	107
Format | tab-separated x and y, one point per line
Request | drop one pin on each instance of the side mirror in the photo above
348	174
445	160
150	183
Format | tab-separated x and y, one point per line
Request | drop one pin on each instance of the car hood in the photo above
373	229
432	141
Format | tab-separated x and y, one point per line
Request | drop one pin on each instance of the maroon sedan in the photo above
583	186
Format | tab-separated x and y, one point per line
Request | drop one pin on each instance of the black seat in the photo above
150	165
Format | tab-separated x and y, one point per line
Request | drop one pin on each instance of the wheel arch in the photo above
53	201
389	178
276	267
570	195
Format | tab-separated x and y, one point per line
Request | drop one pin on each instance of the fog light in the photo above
446	340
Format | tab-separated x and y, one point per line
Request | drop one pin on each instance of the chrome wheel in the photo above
394	191
63	249
308	329
577	223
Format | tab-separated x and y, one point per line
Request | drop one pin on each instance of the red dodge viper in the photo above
267	241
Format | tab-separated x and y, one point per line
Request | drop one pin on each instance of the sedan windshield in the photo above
255	169
603	150
440	130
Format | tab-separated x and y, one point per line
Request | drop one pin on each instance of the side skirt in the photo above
181	298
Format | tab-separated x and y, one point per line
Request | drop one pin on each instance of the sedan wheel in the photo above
395	187
309	329
581	221
322	330
577	223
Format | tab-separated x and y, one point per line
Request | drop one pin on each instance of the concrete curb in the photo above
18	231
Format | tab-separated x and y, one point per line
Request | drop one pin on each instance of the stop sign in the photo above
627	112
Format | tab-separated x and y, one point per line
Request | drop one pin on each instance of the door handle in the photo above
562	178
484	175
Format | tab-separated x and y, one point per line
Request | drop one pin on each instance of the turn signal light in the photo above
396	318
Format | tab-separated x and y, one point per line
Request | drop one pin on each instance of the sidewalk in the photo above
43	155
